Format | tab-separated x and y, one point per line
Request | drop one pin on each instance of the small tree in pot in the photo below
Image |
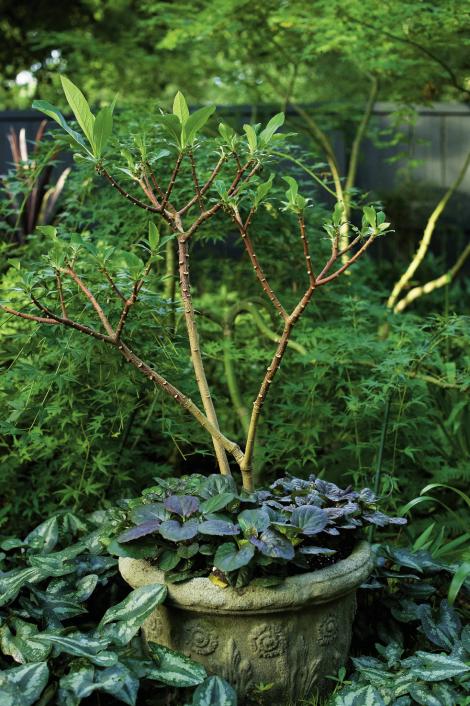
288	556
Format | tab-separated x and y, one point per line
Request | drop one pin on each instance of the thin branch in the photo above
310	172
333	256
102	316
204	216
179	397
129	197
153	179
28	317
72	324
256	266
346	265
205	186
125	310
308	259
174	174
196	180
148	191
113	285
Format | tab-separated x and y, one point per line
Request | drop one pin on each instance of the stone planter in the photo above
292	636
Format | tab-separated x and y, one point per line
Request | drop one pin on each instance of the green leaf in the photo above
370	215
251	137
253	521
436	667
139	551
293	189
433	486
80	682
102	129
227	133
26	682
229	558
80	108
137	605
154	237
273	125
168	560
263	190
358	695
52	112
212	691
458	580
119	682
196	122
171	125
80	645
12	582
216	503
422	695
180	108
217	484
50	231
45	536
338	214
173	668
17	643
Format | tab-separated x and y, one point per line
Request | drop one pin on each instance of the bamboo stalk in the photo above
426	240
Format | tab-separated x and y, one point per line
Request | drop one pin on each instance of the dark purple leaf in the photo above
367	496
152	511
334	513
310	519
218	527
178	532
142	530
350	508
313	498
274	545
381	520
182	505
330	490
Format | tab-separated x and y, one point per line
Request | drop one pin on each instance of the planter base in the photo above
292	636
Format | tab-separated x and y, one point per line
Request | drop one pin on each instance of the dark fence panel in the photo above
438	141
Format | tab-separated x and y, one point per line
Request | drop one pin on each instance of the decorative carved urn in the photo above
292	636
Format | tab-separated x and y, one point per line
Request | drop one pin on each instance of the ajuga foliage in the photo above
203	526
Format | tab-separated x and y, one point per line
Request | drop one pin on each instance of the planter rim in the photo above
201	595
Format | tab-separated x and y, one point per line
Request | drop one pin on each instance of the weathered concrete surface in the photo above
292	636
